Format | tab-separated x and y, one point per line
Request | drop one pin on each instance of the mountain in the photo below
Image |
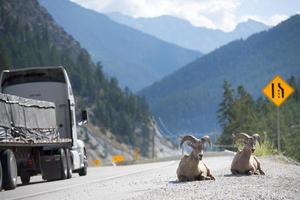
247	28
187	100
29	37
183	33
136	59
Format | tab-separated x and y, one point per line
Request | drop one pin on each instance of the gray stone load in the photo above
26	120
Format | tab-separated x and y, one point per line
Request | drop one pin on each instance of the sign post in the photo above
277	91
278	130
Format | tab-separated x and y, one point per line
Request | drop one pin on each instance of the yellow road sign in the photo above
136	154
277	90
117	158
97	162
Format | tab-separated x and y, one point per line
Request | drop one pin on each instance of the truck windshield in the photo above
29	76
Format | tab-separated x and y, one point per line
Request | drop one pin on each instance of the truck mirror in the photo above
84	116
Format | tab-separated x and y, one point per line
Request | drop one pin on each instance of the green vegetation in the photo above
238	112
27	41
265	148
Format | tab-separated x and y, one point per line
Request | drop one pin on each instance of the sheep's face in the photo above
251	143
248	141
198	149
196	144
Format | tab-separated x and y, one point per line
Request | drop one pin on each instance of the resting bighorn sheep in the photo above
244	162
191	167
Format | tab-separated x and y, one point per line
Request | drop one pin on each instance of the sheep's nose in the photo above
253	150
200	156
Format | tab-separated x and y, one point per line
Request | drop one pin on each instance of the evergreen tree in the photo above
225	113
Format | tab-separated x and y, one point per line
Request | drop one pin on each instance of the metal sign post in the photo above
278	130
277	91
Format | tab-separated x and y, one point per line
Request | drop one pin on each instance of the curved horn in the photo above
257	137
240	136
206	139
188	138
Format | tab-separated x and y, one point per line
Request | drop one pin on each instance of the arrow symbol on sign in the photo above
282	91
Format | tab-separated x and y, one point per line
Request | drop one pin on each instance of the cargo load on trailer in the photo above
27	120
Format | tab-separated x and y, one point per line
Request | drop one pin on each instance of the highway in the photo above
158	181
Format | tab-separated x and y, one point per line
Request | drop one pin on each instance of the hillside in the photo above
198	38
187	100
29	37
136	59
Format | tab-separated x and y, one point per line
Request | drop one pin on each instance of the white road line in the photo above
89	182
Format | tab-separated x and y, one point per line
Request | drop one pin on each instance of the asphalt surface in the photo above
159	181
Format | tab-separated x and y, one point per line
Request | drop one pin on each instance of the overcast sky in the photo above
220	14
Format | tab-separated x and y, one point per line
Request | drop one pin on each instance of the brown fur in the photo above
191	167
244	162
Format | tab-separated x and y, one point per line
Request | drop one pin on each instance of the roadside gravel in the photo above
282	181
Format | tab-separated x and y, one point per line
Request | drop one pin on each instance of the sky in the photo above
215	14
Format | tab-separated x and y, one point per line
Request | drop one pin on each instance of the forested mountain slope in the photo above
29	37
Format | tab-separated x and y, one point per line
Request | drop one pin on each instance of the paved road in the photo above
158	181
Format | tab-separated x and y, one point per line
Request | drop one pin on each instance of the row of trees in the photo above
239	112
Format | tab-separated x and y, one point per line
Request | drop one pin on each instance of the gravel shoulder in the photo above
282	181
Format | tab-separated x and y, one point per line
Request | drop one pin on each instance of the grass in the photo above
265	148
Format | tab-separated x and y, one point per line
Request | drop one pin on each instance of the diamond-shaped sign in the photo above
277	90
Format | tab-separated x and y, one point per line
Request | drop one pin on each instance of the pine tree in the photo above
4	60
225	113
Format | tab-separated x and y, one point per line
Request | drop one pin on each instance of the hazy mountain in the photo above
183	33
187	100
136	59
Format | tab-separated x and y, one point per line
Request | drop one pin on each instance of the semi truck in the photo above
38	126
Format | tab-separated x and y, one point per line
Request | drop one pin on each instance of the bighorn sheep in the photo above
244	162
191	167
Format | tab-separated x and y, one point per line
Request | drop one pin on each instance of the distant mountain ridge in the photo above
136	59
183	33
187	100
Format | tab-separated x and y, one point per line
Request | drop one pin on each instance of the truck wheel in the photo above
64	166
0	176
69	163
9	170
25	178
83	171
